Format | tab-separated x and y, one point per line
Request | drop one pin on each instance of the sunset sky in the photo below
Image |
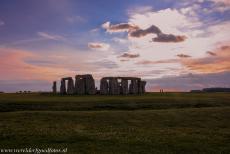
173	45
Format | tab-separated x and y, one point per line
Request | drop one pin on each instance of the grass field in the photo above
151	123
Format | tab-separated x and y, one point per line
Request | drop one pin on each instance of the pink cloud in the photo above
183	56
129	55
98	45
13	66
211	53
121	27
210	64
226	2
149	62
50	36
137	32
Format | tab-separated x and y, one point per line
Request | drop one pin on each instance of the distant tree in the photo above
196	91
216	89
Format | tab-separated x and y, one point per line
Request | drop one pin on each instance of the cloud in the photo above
122	27
225	2
168	20
169	38
187	82
135	31
120	40
14	65
161	37
183	56
94	30
149	62
210	64
50	36
105	64
220	6
201	36
225	47
42	62
211	53
140	32
51	65
195	34
124	60
106	25
139	9
98	45
211	6
129	55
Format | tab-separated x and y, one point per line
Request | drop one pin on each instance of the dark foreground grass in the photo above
28	102
185	123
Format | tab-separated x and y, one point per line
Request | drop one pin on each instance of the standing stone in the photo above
104	86
79	85
89	84
139	83
133	87
70	88
63	87
136	86
124	87
114	88
142	85
85	84
54	87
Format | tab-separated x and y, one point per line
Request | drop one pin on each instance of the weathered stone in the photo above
141	87
54	87
62	87
124	87
104	87
79	85
143	84
114	88
70	88
133	87
85	84
89	84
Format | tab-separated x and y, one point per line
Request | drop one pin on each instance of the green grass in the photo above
151	123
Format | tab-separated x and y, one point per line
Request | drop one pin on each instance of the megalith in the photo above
79	85
114	88
104	86
124	87
70	84
133	87
85	84
63	87
54	87
89	84
143	83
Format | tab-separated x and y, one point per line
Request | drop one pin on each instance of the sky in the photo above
173	45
